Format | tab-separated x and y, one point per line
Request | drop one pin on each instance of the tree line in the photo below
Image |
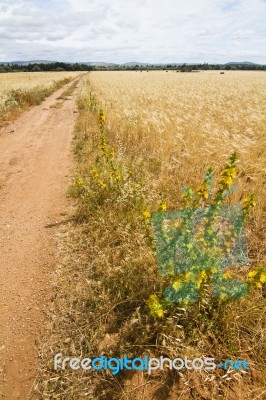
39	67
61	66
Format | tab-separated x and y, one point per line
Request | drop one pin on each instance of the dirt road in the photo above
34	168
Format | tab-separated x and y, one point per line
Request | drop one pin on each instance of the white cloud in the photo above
140	30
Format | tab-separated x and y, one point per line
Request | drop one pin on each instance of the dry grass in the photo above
21	90
68	92
166	130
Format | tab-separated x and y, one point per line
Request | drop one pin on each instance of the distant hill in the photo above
99	64
241	63
134	63
31	62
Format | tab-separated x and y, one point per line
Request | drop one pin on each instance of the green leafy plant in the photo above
196	244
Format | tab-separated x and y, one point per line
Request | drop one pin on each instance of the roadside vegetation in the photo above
22	90
144	145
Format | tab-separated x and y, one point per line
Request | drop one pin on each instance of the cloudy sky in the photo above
138	30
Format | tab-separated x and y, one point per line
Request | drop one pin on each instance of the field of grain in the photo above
140	138
17	90
29	80
202	111
187	122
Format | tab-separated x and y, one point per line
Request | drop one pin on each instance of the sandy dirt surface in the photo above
35	161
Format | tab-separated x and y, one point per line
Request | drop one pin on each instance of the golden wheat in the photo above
184	122
27	82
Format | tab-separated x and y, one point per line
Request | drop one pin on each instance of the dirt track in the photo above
34	168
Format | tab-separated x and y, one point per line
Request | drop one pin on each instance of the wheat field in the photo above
225	111
29	80
20	89
186	122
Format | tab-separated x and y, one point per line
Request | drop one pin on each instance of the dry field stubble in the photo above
22	89
166	130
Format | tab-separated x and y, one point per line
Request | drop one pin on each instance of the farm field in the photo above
19	90
187	122
29	80
140	139
221	111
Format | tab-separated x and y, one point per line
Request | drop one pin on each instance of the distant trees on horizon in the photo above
61	66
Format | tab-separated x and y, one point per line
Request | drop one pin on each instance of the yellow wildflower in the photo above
102	184
232	172
227	276
229	172
190	277
112	153
251	274
94	172
156	309
249	202
103	146
203	274
202	191
162	206
160	313
228	175
101	117
80	182
201	277
146	214
223	296
227	181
